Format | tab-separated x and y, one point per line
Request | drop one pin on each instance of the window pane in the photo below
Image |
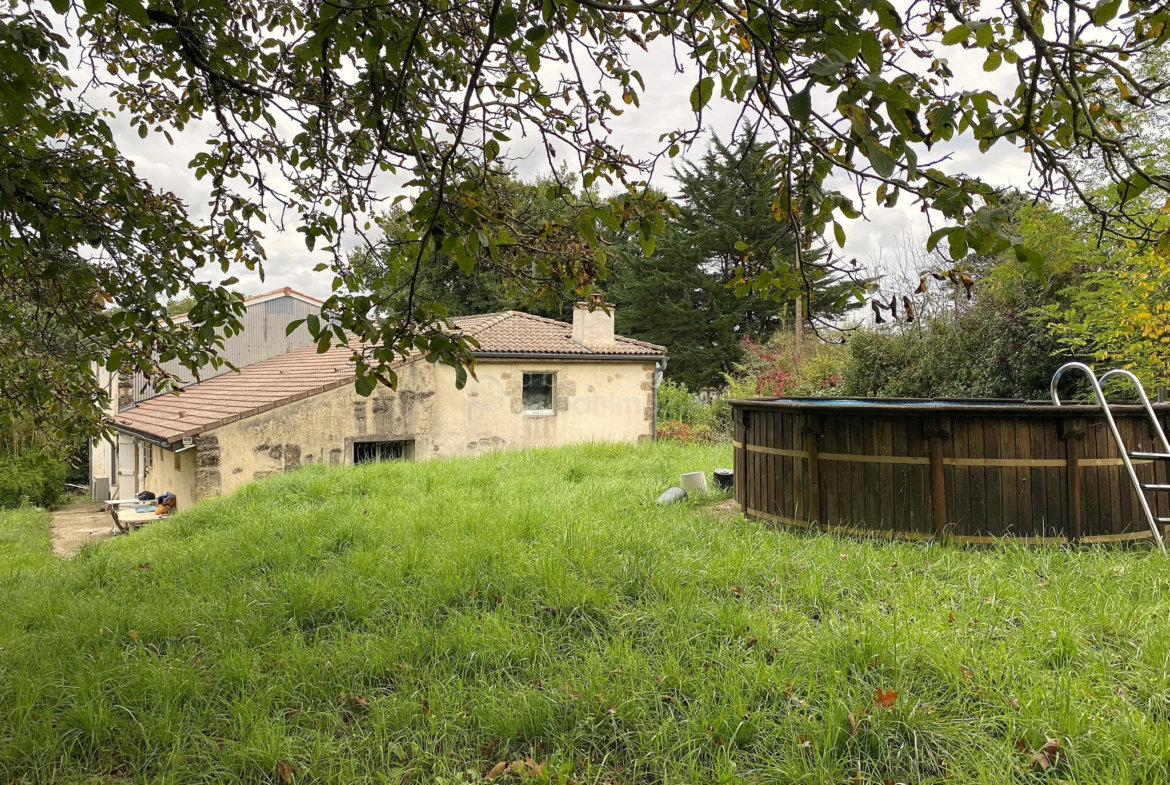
538	392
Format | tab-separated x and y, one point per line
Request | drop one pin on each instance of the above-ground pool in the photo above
972	471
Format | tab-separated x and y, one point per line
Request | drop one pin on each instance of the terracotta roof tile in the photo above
256	388
522	333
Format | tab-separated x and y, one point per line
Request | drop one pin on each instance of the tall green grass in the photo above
425	622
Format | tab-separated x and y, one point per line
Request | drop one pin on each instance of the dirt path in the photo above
77	524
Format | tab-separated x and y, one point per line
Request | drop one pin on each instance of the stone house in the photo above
538	382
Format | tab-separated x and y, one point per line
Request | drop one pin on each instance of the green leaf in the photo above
132	9
993	61
506	22
800	105
839	234
826	66
537	34
883	162
702	93
984	36
60	6
871	51
1105	11
957	240
1033	259
364	385
293	325
956	35
936	236
1136	185
648	244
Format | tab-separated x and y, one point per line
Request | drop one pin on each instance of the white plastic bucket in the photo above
693	481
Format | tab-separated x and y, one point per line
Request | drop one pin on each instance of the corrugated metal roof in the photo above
265	318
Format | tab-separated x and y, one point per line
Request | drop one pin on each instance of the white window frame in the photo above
552	398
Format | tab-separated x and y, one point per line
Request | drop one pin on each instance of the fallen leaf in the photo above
144	566
1048	755
611	710
285	770
1014	703
196	660
966	673
852	724
884	698
426	704
843	557
736	590
497	770
749	642
134	635
360	701
669	699
951	618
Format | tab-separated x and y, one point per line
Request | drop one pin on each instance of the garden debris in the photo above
1047	756
672	495
285	770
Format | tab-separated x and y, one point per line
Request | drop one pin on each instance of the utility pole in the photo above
796	351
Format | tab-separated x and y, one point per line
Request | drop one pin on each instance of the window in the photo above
369	452
538	393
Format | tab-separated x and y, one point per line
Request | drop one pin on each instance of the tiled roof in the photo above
233	396
302	373
515	332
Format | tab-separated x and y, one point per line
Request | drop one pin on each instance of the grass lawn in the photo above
427	622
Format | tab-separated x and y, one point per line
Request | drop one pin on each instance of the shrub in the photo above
991	350
684	418
675	402
684	433
770	369
31	479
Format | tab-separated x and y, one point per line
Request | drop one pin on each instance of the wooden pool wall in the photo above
968	471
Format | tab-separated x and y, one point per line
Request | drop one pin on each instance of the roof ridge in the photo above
538	318
493	318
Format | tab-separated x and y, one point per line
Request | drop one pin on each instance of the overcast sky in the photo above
664	107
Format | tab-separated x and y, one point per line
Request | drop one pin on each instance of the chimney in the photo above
592	326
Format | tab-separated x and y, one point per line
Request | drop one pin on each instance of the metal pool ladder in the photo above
1126	456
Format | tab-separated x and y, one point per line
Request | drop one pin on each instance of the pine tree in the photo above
680	296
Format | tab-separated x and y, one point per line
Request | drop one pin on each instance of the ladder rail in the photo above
1141	391
1099	394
